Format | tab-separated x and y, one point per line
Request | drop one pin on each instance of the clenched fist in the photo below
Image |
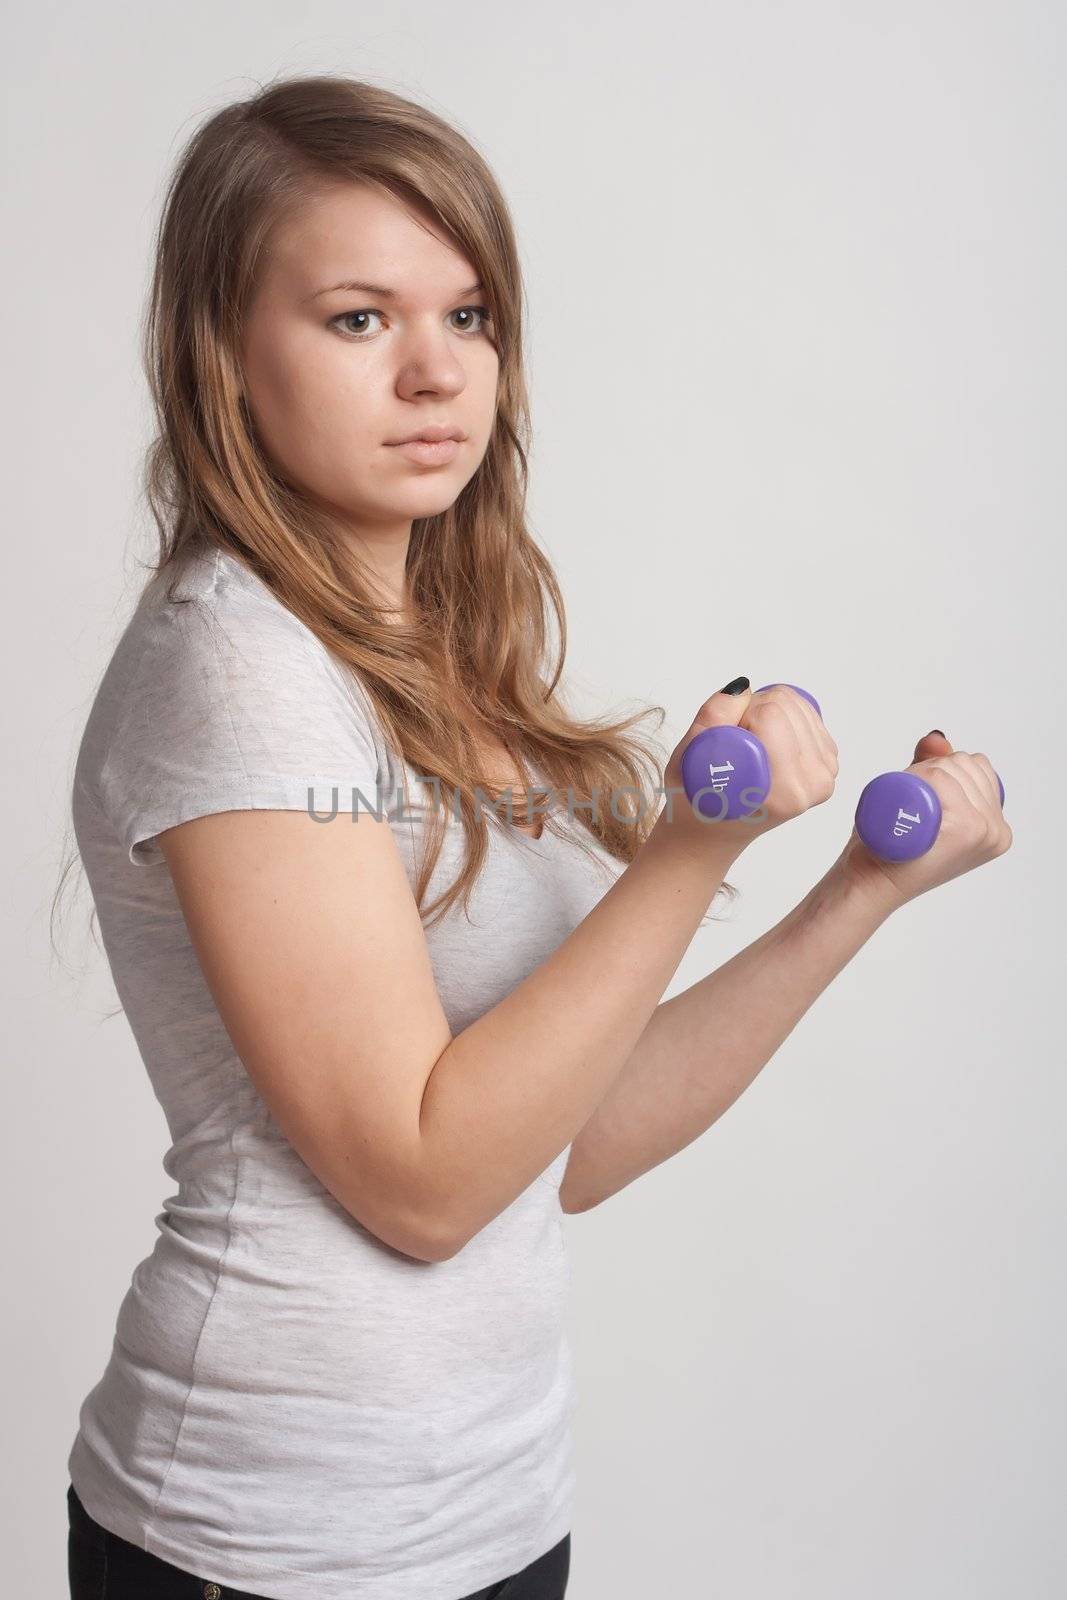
973	828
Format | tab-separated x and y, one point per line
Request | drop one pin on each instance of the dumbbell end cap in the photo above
809	697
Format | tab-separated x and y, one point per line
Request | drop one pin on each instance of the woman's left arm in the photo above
702	1048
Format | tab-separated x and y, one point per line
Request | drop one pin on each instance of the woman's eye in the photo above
347	316
465	311
479	311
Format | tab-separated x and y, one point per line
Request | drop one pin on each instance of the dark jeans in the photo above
104	1567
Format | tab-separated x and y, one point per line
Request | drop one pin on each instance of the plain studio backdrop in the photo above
797	350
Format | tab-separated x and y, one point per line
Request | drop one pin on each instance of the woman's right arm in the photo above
311	943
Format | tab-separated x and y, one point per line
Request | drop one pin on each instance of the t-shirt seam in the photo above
316	653
310	643
179	1553
216	659
219	1265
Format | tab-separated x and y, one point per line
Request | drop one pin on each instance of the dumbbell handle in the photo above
726	774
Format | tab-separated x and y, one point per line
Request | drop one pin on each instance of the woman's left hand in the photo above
972	832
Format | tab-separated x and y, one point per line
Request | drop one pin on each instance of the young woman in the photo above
396	1028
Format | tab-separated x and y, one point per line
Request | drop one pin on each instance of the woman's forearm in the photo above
512	1090
702	1048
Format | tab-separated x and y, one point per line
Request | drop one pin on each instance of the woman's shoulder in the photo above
207	623
211	593
218	695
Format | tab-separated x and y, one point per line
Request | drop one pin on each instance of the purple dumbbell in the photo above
726	771
899	814
727	774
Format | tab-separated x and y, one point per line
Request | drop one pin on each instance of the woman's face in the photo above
332	375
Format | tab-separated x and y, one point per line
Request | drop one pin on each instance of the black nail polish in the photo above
737	686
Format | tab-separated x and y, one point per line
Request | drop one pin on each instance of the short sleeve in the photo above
240	710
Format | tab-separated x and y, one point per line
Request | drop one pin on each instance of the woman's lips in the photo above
431	455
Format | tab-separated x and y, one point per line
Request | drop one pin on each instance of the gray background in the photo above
797	350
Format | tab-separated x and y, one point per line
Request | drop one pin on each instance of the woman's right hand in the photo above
803	761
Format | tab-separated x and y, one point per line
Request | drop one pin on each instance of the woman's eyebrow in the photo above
354	286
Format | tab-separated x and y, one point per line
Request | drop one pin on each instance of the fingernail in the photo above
737	686
938	730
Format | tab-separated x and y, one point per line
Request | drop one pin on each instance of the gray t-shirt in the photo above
291	1406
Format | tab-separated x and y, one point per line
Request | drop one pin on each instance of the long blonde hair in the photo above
481	590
